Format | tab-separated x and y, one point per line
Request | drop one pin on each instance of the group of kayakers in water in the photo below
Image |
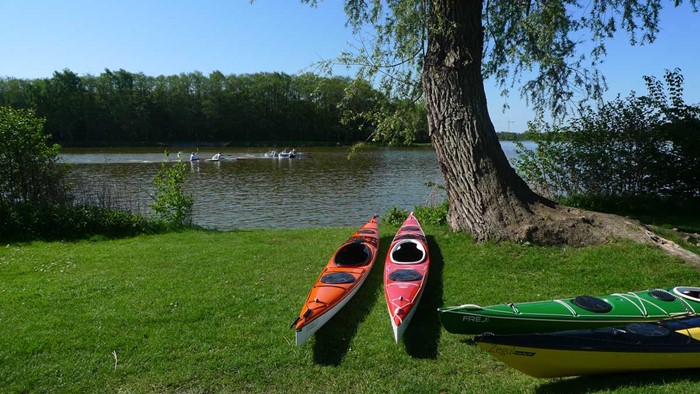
284	154
194	156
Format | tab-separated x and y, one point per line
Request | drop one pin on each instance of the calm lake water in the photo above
250	191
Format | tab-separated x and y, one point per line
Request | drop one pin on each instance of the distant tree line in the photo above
511	136
124	108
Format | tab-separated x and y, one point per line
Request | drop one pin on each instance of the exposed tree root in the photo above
673	248
562	225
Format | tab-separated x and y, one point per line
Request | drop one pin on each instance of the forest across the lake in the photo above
121	108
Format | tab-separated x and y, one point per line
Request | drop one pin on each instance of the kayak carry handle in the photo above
304	316
514	308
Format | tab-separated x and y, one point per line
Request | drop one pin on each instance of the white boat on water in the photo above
283	155
286	155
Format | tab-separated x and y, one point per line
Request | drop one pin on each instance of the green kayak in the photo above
582	312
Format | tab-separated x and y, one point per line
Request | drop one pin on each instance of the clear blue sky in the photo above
159	37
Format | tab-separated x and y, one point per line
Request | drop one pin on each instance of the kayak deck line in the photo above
405	303
641	307
569	308
549	316
681	296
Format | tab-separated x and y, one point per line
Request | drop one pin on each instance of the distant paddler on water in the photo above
285	154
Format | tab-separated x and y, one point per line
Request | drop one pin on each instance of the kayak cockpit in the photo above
408	252
355	253
690	293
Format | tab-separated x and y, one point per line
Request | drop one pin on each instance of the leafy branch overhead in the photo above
549	51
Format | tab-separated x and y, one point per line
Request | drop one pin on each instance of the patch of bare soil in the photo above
560	225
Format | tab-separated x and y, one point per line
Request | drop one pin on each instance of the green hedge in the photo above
25	221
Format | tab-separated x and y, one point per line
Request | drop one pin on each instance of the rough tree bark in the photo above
487	198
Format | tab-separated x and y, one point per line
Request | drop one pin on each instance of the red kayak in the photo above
405	274
345	272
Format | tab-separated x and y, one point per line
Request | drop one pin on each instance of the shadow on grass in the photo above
587	384
423	333
333	339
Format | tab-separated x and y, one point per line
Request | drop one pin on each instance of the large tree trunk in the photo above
487	197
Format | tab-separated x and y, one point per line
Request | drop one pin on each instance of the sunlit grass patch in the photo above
207	311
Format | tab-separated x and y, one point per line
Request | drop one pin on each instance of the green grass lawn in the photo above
202	311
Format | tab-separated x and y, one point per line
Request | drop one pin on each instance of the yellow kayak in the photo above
669	344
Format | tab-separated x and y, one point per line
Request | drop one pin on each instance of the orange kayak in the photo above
405	274
345	272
